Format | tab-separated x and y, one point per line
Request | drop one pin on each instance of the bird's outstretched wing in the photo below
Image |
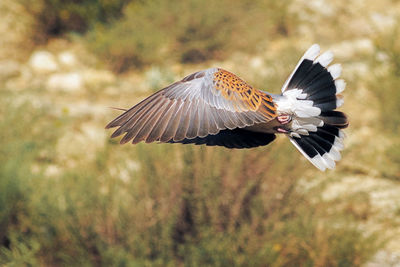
201	104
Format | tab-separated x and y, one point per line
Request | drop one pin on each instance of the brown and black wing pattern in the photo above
199	105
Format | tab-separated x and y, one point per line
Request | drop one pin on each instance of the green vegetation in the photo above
387	83
386	86
166	205
58	17
133	34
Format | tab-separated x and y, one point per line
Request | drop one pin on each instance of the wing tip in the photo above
110	125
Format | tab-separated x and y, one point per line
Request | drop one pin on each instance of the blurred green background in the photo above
70	196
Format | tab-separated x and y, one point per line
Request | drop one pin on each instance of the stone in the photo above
67	59
93	77
383	22
43	62
348	49
68	82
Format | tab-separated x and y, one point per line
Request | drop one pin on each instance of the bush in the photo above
153	32
166	205
386	87
134	34
24	142
58	17
387	84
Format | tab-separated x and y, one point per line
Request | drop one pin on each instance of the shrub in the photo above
166	205
58	17
134	34
24	142
386	87
162	205
386	84
153	32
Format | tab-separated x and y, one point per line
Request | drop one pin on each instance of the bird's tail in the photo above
312	93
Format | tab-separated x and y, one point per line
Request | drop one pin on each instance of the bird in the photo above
214	107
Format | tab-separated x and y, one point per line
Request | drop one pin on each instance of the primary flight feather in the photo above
217	108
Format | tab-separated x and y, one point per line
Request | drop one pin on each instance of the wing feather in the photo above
162	122
204	124
133	132
208	115
201	104
173	123
194	122
184	122
153	123
227	119
237	138
147	127
218	119
131	121
121	119
157	130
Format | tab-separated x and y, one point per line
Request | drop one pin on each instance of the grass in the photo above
187	32
385	85
162	205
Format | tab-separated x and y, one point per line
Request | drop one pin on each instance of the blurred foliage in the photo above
385	85
20	252
133	34
58	17
162	205
152	32
25	143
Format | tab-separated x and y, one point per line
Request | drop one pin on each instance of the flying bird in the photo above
215	107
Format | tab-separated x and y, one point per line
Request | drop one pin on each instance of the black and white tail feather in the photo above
311	94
